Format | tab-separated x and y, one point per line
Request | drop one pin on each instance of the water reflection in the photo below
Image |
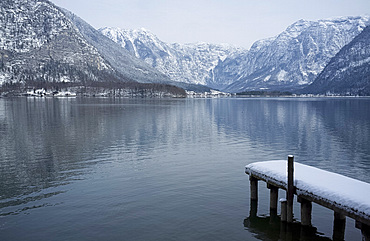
331	134
175	163
46	143
265	228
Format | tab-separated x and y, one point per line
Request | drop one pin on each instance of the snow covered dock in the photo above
346	196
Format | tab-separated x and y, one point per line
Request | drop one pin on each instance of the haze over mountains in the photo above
42	43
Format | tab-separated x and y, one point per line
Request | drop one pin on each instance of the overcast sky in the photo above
237	22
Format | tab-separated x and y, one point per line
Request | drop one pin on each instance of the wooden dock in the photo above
347	197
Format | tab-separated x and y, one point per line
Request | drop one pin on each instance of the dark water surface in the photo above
166	169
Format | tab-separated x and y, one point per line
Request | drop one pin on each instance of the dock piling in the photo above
290	191
306	211
254	196
339	226
283	203
365	230
274	192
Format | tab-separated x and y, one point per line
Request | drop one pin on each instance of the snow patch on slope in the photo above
282	75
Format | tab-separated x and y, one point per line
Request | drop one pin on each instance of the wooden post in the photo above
283	203
254	188
289	232
339	226
274	192
306	211
290	190
254	196
365	230
283	231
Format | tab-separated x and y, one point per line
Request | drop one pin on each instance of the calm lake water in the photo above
165	169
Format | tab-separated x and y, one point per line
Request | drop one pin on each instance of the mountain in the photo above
291	60
348	72
288	61
188	63
42	43
120	59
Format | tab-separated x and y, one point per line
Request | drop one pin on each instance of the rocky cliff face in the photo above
292	59
120	59
348	72
189	63
40	43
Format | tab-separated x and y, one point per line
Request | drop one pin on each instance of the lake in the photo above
165	169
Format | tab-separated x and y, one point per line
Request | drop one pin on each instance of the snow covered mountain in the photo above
189	63
289	61
39	42
348	72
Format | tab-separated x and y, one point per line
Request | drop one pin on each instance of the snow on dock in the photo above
344	195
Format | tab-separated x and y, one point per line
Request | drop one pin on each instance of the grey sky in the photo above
237	22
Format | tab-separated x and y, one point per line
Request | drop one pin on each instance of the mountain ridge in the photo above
287	61
348	72
41	42
188	63
296	56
